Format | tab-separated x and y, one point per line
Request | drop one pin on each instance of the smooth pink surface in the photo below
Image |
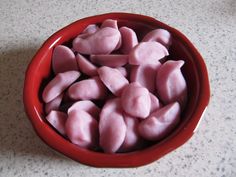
59	83
129	39
110	60
57	119
109	23
86	66
194	70
158	35
113	79
88	89
63	59
112	127
145	74
170	83
104	41
136	101
54	104
155	104
82	129
160	122
132	137
146	52
87	106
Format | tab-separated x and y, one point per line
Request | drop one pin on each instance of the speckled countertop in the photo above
210	25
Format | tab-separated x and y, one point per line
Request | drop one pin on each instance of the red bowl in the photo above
194	70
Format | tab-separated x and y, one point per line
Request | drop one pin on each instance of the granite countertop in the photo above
210	25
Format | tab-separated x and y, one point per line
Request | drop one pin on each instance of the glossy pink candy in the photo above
90	29
113	79
63	59
54	104
113	60
123	71
58	84
145	74
87	106
170	83
85	66
129	39
88	89
136	100
82	129
57	119
160	122
112	127
104	41
158	35
146	52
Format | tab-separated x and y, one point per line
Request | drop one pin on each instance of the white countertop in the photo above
210	25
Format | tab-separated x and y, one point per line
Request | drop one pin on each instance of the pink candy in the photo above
115	95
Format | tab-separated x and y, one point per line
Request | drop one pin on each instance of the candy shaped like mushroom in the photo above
160	122
112	128
88	89
170	83
103	41
129	39
147	52
113	79
158	35
63	59
58	84
87	106
145	74
136	100
82	129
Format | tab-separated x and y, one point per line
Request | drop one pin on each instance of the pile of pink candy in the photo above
120	93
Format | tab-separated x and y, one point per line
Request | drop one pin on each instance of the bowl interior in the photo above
39	73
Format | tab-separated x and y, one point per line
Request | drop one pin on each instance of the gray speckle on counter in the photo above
210	25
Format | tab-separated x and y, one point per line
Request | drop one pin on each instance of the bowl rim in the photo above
133	159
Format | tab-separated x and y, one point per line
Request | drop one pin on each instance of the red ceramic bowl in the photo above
194	70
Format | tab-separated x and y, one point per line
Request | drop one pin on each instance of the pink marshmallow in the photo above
136	101
160	123
112	127
82	129
88	89
147	52
158	35
87	106
54	104
155	104
129	39
123	71
110	23
86	66
57	119
132	138
112	79
104	41
63	59
170	83
145	75
90	29
58	84
110	60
